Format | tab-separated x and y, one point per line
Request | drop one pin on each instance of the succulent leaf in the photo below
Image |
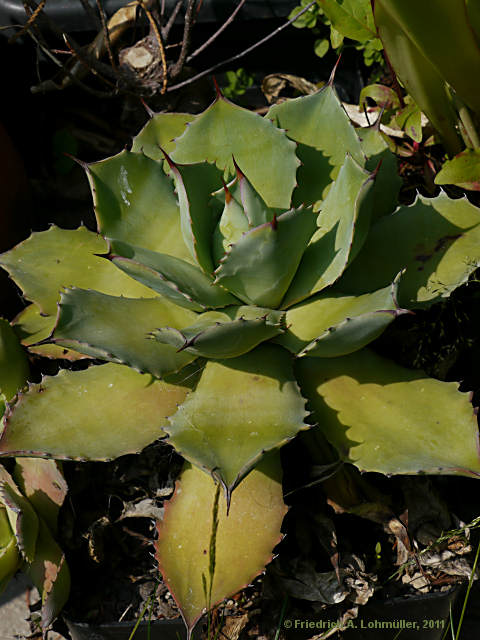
23	519
50	574
385	418
241	408
42	483
135	202
116	411
253	204
50	260
382	160
32	327
226	334
343	225
14	367
242	542
160	133
198	214
325	135
9	556
437	239
263	152
259	268
232	225
116	329
176	280
333	324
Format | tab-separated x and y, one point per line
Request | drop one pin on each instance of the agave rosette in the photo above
245	265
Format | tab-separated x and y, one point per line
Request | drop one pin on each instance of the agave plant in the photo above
29	503
245	265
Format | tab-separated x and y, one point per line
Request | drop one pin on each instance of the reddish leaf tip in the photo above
217	88
334	71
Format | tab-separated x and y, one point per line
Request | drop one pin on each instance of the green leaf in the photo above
42	482
410	120
463	170
232	225
23	519
385	418
259	268
353	18
97	414
325	134
307	20
437	240
334	324
14	367
198	214
343	224
411	62
449	42
116	329
384	96
321	47
263	152
226	334
31	327
160	133
381	159
253	204
181	282
50	260
135	202
50	574
242	543
9	556
241	408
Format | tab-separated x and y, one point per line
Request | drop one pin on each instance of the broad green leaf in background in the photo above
448	43
352	18
325	134
116	329
50	260
160	133
240	547
388	419
436	239
97	414
241	408
411	59
135	202
462	170
262	152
